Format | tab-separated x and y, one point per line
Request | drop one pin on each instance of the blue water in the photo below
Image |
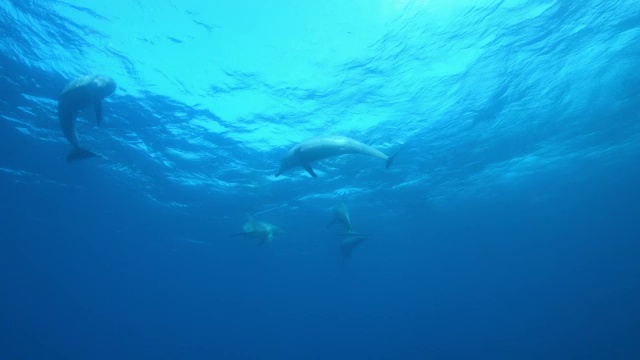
508	227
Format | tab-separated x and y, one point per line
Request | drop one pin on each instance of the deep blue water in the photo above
507	228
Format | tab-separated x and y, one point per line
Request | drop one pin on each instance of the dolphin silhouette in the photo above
80	93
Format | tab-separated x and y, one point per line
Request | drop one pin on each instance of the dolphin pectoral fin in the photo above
391	158
310	170
79	154
98	109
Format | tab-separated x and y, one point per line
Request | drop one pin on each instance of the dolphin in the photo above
308	151
261	230
80	93
341	215
350	241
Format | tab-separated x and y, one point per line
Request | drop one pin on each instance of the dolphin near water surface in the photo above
80	93
308	151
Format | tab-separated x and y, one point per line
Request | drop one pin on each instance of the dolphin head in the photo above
105	86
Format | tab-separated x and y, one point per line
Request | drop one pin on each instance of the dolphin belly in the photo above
331	146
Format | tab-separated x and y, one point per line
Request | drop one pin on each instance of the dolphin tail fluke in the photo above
353	233
391	158
346	250
79	154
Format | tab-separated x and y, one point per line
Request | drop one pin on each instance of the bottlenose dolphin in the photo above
341	215
350	241
308	151
80	93
261	230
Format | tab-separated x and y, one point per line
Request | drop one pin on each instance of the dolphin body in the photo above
308	151
261	230
341	215
80	93
351	241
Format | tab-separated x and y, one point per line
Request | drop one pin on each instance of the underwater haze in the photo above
507	227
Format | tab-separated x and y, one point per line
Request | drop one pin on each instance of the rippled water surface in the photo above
506	228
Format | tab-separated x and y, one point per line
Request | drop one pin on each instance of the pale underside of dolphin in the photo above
261	230
309	151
